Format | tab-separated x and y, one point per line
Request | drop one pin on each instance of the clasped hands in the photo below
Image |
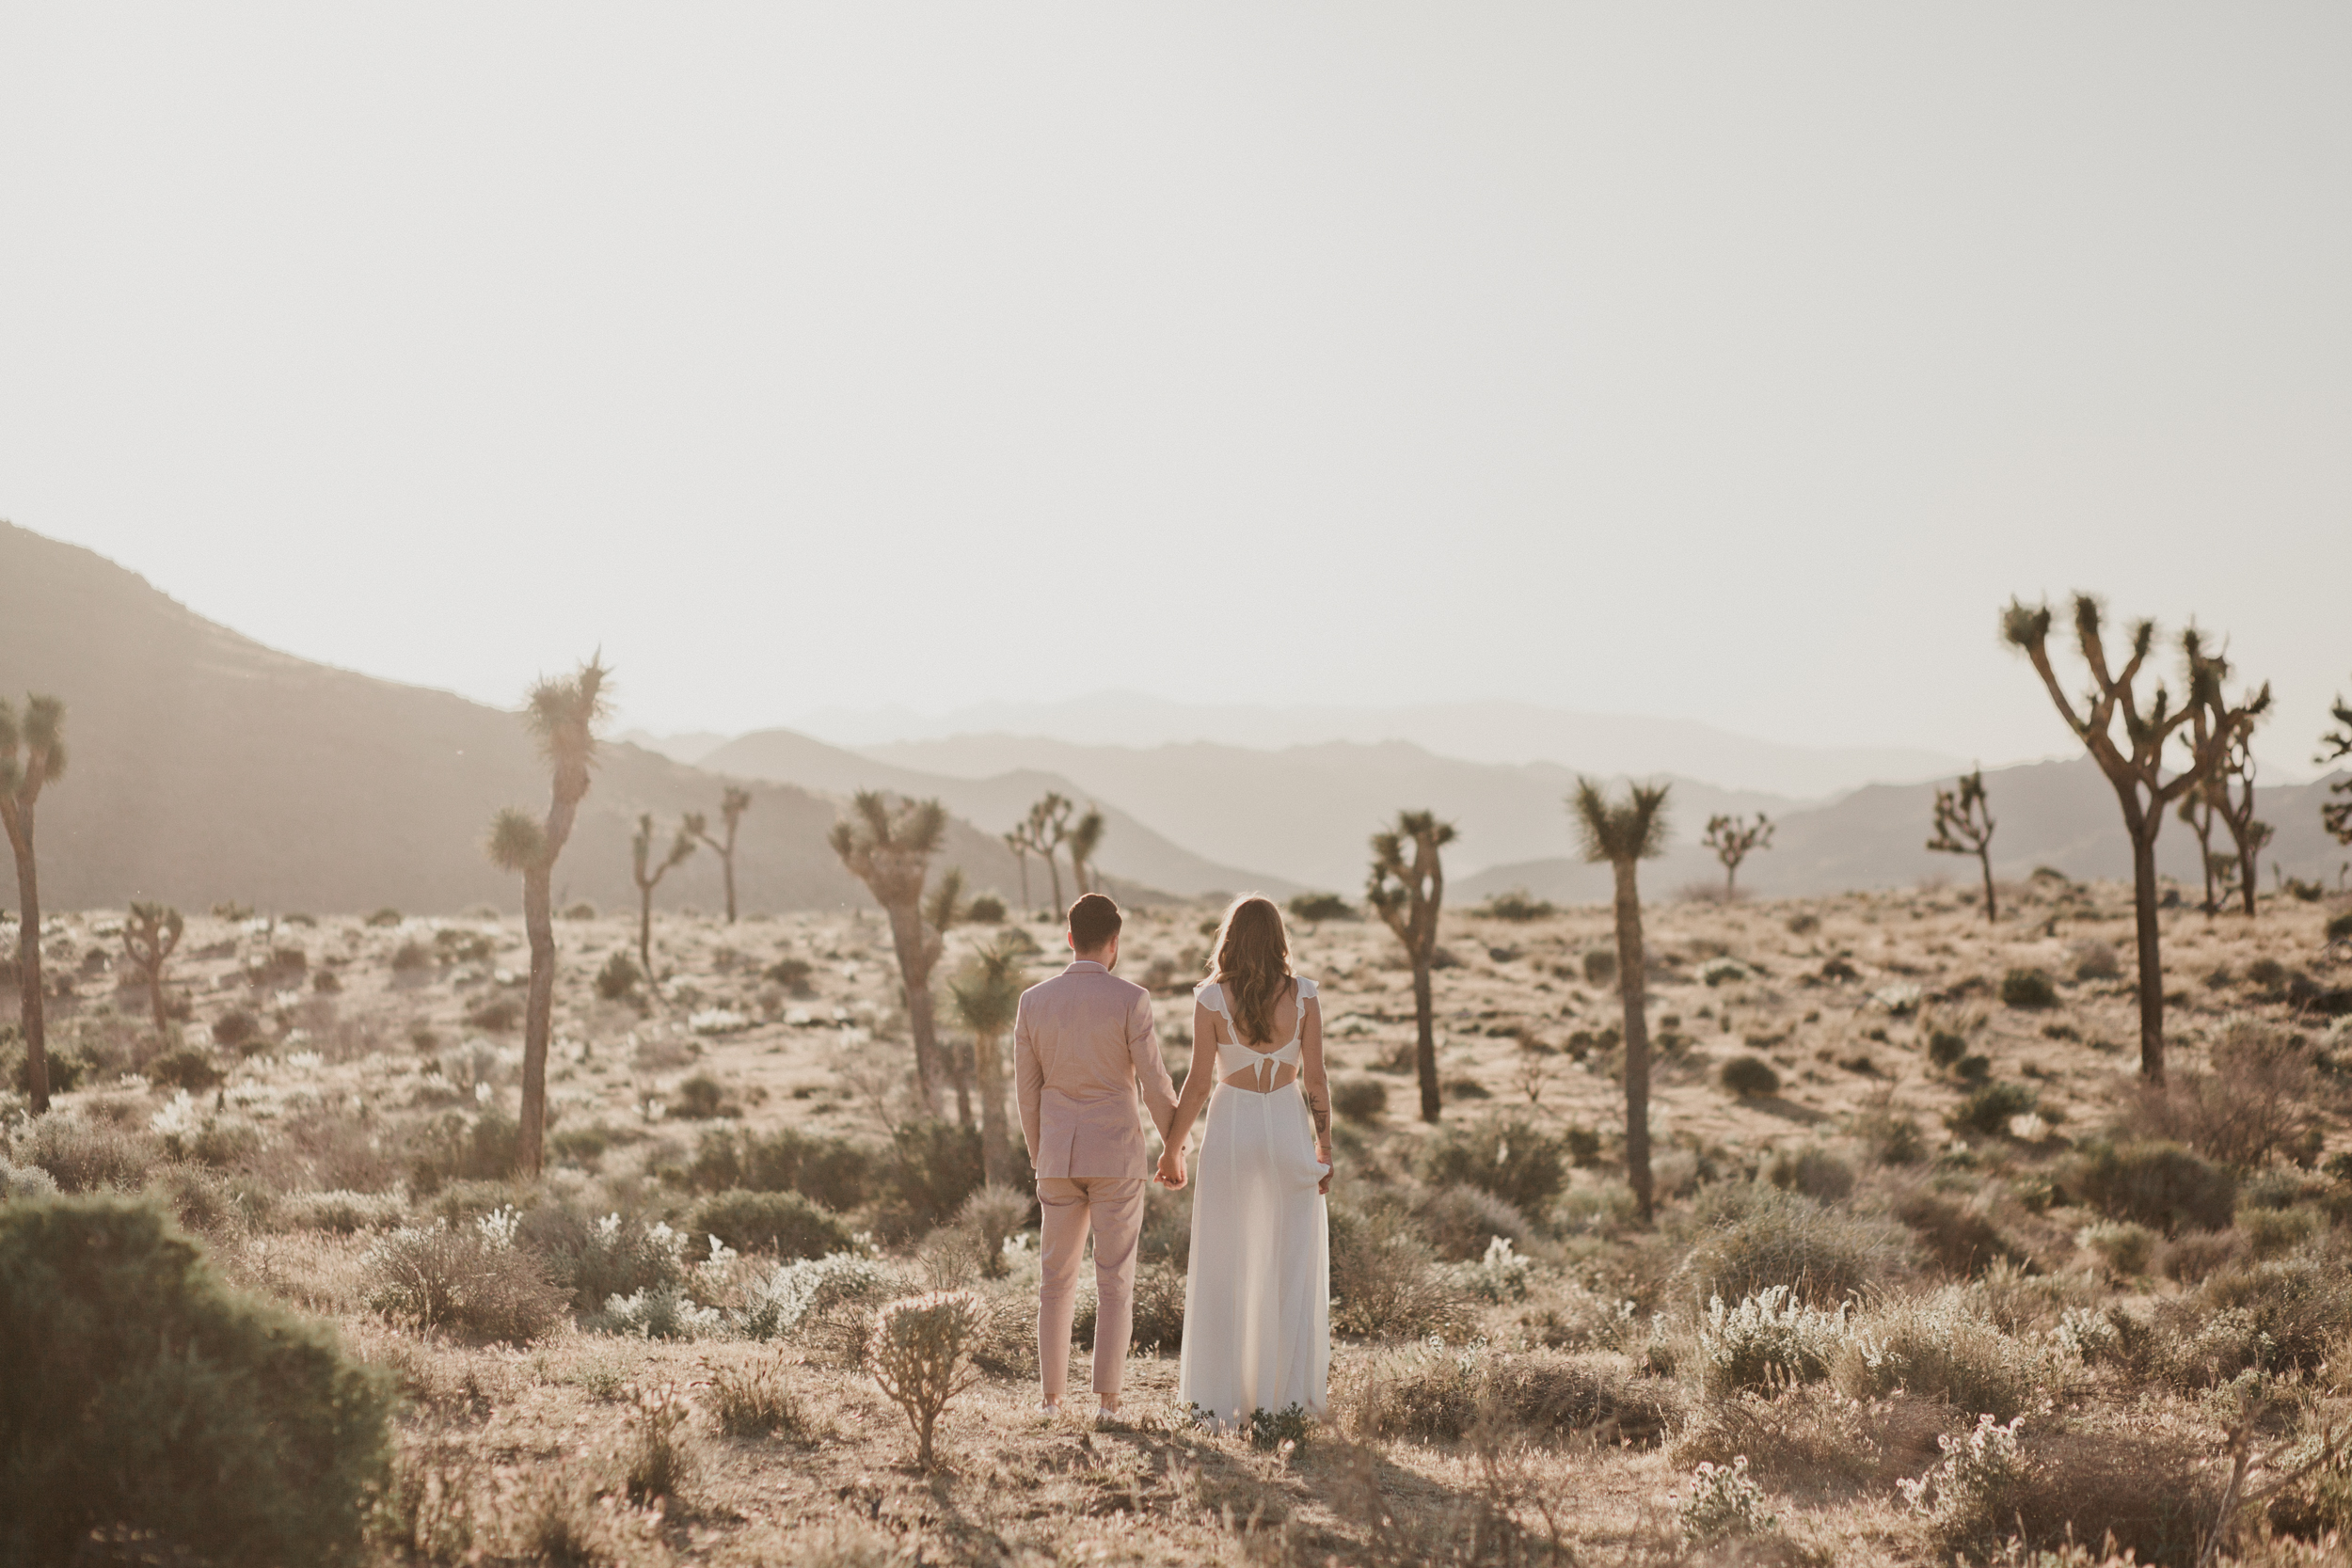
1172	1172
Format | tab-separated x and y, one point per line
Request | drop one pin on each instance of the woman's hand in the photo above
1172	1172
1323	1158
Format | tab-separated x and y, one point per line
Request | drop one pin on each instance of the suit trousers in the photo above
1112	1206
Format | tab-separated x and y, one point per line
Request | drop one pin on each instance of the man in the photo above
1083	1050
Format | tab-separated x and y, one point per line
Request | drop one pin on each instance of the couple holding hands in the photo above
1256	1292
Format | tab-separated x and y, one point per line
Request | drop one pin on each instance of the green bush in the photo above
2154	1183
2339	929
67	1068
832	1171
498	1014
1516	904
618	979
987	910
86	1155
1359	1098
1600	967
235	1029
1959	1240
785	1224
185	1068
1989	1107
700	1098
2028	988
2297	1308
457	1148
1459	1222
1383	1286
1316	908
1941	1348
1945	1048
594	1259
468	1279
143	1397
1818	1173
1754	1236
932	1169
793	974
1748	1077
1509	1156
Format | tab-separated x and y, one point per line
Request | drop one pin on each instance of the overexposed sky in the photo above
1731	362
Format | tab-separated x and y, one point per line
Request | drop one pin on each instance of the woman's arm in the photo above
1317	1085
1198	1080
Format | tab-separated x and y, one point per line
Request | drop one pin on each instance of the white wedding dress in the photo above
1258	1293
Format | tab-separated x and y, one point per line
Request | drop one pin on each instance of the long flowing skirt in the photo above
1258	1294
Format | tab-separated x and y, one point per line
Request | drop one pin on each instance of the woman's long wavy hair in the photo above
1252	964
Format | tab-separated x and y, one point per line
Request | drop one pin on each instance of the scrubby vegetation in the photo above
2047	1294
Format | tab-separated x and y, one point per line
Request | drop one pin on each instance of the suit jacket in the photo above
1083	1049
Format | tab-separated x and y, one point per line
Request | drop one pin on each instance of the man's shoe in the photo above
1049	1410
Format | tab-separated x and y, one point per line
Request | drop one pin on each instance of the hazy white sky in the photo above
1733	362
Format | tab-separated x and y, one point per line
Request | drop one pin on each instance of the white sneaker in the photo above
1049	1410
1105	1412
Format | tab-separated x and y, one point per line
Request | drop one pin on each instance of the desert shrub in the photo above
659	1312
1383	1286
2127	1248
67	1069
344	1213
749	1397
1166	1236
793	974
2271	1232
1990	1108
1945	1048
2028	988
617	981
832	1171
1359	1098
83	1154
2300	1307
1940	1347
1158	1317
932	1169
1432	1394
1316	908
144	1398
2264	1099
498	1014
920	1354
987	910
470	1281
993	1216
1959	1239
1753	1236
1818	1173
658	1457
2155	1184
457	1148
1722	1503
1891	1136
20	1184
1459	1221
2190	1257
1509	1156
185	1068
594	1260
785	1224
1748	1077
2095	960
1518	905
1770	1340
1600	967
411	961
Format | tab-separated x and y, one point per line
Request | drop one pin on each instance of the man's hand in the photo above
1172	1172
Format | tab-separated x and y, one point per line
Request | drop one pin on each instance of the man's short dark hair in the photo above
1094	921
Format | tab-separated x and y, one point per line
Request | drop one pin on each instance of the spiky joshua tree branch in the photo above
887	842
1734	839
1964	825
1408	888
733	803
149	939
2336	745
2128	735
648	877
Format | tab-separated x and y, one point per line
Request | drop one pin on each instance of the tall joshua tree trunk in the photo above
889	847
1964	825
987	998
1408	895
1625	833
641	855
1017	842
2133	762
2233	801
32	754
1049	825
562	716
149	939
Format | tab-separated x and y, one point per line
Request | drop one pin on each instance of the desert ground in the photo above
1929	1274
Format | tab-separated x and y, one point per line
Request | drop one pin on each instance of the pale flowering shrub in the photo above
920	1353
665	1313
1941	1347
718	1020
1722	1502
1972	1495
1500	1276
468	1280
783	1301
1770	1340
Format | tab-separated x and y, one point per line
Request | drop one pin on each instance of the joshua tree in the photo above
32	754
148	937
733	803
1964	825
2227	794
1084	840
1734	839
987	995
2336	816
888	846
562	716
640	858
1409	894
2233	789
1017	842
1625	833
1048	825
2133	762
2197	809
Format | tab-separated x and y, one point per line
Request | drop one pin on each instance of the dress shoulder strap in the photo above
1211	996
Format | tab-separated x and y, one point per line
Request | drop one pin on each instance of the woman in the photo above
1257	1298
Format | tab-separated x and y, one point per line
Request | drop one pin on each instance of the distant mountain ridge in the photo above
1488	732
204	768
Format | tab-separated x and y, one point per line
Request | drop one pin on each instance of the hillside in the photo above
995	803
2062	814
206	768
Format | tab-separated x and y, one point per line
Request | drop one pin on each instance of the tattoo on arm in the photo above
1319	1112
